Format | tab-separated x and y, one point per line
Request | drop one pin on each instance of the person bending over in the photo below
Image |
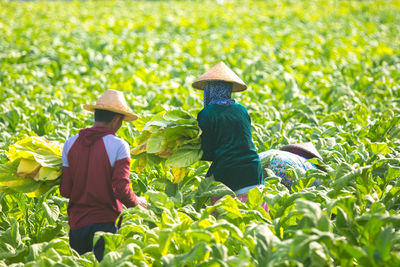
226	132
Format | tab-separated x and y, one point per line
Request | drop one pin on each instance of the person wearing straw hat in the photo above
226	132
290	156
95	174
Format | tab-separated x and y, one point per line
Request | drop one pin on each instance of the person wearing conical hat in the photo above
226	131
290	156
95	174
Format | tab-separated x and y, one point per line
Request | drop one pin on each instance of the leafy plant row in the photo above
321	71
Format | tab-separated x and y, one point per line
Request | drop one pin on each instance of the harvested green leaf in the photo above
173	137
34	166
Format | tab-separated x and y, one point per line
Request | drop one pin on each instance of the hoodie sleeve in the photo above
120	178
66	179
66	183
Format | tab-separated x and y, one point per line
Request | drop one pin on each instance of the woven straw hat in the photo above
306	150
113	100
220	72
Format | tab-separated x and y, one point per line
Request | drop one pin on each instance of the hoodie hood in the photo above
89	136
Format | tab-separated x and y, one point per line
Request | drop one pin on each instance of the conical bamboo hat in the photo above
113	100
220	72
308	148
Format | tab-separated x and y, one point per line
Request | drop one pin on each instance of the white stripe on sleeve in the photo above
116	148
67	146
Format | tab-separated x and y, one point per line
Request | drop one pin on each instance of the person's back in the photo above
290	156
227	141
98	161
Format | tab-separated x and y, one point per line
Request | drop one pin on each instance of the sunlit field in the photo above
327	72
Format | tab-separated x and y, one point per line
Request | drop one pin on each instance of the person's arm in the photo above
66	179
66	183
207	137
120	179
120	183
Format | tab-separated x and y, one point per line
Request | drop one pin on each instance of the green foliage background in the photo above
326	71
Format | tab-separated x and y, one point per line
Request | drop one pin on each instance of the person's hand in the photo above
142	202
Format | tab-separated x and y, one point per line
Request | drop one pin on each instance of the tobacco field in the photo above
323	71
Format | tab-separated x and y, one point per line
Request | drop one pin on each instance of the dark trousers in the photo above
82	239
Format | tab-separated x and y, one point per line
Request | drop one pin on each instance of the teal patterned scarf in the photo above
218	92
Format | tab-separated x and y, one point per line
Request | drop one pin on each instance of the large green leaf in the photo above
179	116
346	174
154	142
184	157
10	182
11	244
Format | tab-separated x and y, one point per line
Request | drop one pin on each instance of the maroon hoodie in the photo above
96	177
